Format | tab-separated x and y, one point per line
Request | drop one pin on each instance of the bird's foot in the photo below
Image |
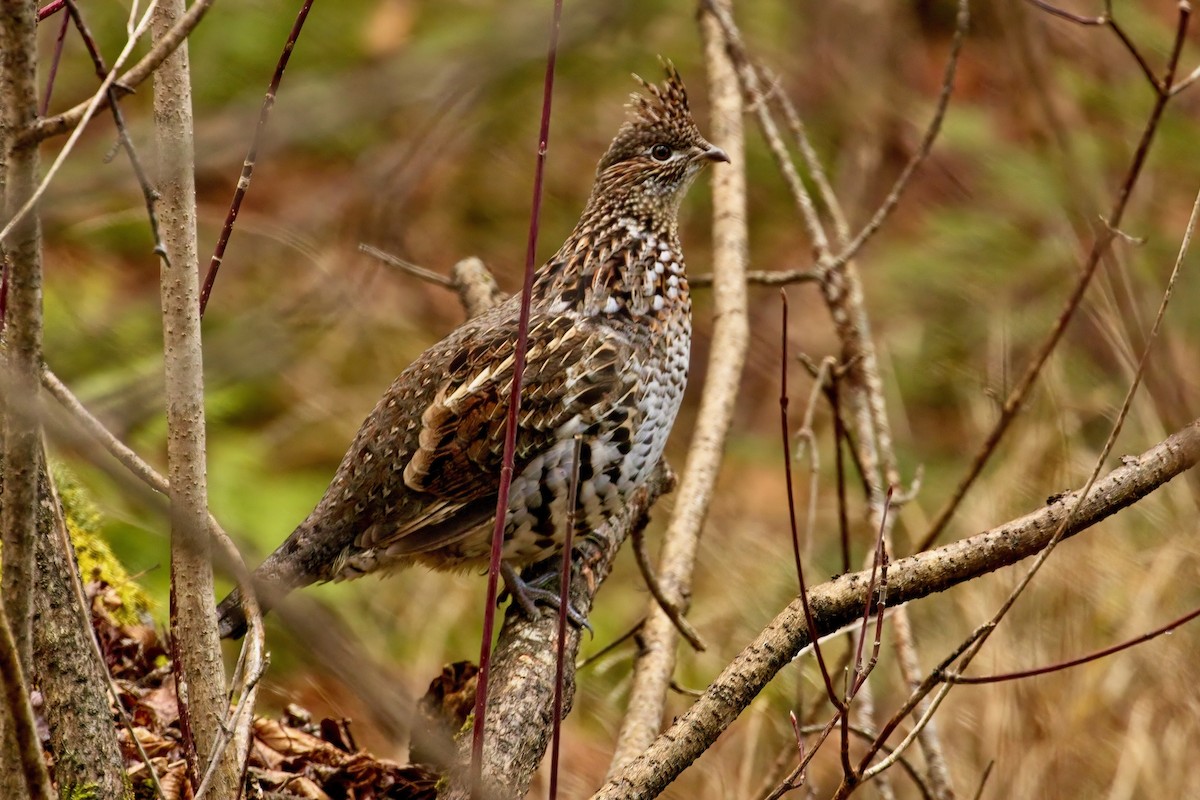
528	595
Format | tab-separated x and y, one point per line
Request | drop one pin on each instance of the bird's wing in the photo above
450	418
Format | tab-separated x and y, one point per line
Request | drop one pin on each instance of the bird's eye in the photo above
660	152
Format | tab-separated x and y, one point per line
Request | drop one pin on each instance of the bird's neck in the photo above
623	260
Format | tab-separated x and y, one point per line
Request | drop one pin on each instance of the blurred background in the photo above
412	126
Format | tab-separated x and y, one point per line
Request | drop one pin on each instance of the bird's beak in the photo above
714	154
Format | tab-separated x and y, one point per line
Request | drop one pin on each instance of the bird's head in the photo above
658	151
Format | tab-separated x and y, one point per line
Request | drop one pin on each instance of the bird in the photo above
606	366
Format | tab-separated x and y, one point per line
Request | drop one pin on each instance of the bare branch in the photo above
951	677
974	644
149	193
164	46
839	601
673	612
1016	398
243	183
90	108
655	662
962	23
196	654
765	278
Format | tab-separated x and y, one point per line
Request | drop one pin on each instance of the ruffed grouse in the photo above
609	337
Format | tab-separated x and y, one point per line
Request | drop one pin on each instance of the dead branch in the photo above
164	46
655	662
243	183
838	602
1100	246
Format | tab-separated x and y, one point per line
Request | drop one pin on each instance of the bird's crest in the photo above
659	114
666	105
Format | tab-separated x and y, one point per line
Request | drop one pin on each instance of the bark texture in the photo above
68	673
522	682
21	253
199	671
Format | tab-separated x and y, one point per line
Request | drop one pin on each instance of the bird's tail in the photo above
231	619
291	566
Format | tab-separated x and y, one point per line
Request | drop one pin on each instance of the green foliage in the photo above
95	556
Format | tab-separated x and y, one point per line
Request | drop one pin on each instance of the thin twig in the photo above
908	767
961	25
164	46
149	193
90	109
1016	398
983	779
951	677
812	162
765	278
564	607
613	645
805	431
54	62
50	9
407	266
243	183
979	640
1103	20
673	612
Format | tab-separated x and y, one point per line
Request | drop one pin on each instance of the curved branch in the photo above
838	602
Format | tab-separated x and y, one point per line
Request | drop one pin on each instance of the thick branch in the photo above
199	672
840	601
522	683
68	670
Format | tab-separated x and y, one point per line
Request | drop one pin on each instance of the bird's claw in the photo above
528	596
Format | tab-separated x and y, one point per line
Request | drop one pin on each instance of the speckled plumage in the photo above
607	360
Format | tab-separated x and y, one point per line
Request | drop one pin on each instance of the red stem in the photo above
243	183
813	635
564	599
58	50
514	410
50	9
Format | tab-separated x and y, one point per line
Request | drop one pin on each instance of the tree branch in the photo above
655	662
199	673
840	601
164	46
522	690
